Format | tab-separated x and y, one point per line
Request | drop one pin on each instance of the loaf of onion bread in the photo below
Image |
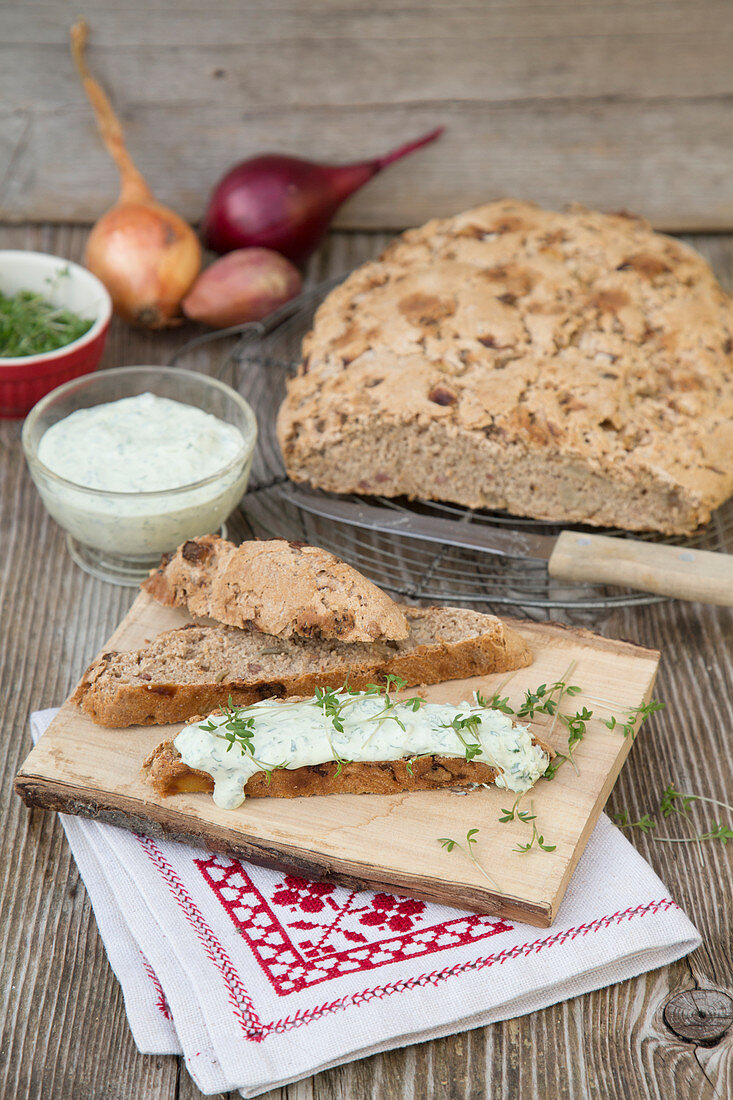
572	366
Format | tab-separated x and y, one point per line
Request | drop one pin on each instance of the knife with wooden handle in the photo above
677	571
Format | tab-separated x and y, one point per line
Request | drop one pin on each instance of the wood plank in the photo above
612	1043
618	106
337	21
690	749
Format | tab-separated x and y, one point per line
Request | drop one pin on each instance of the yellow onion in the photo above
145	254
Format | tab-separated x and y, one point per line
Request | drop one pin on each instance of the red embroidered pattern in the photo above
239	998
255	1031
160	1003
438	976
317	947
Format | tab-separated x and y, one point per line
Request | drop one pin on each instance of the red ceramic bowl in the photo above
25	379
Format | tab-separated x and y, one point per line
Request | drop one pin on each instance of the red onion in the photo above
245	285
284	203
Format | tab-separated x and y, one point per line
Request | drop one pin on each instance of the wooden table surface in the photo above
615	103
64	1031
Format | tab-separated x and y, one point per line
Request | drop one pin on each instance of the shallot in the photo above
145	254
285	203
245	285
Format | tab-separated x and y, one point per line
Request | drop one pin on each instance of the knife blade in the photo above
489	540
574	556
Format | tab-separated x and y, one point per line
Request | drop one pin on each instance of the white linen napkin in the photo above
260	978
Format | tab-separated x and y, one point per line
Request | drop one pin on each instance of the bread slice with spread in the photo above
347	742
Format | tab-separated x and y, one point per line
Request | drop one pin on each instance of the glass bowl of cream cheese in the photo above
133	461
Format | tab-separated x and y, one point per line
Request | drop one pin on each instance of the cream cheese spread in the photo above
234	746
139	445
130	468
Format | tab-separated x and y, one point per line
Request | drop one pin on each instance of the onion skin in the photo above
285	203
274	202
145	254
245	285
147	257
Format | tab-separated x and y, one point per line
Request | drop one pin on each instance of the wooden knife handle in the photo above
676	571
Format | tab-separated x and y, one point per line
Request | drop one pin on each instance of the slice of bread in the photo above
282	588
195	669
165	771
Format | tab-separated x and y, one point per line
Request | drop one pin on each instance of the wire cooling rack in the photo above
412	568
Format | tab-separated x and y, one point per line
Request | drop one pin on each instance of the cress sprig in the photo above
386	714
332	706
645	823
540	701
31	324
333	701
449	844
515	814
546	699
576	725
236	730
470	726
537	838
677	803
635	714
527	817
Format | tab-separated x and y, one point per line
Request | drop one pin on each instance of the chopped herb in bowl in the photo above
31	325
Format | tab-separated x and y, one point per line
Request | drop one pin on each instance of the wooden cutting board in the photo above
387	842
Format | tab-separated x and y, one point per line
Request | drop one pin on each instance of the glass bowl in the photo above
120	536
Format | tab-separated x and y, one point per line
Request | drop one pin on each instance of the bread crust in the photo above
113	693
575	367
283	588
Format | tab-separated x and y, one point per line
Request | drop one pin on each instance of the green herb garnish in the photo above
639	714
449	844
331	705
514	813
645	823
31	325
236	730
542	701
470	726
496	702
576	724
527	817
677	803
536	838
